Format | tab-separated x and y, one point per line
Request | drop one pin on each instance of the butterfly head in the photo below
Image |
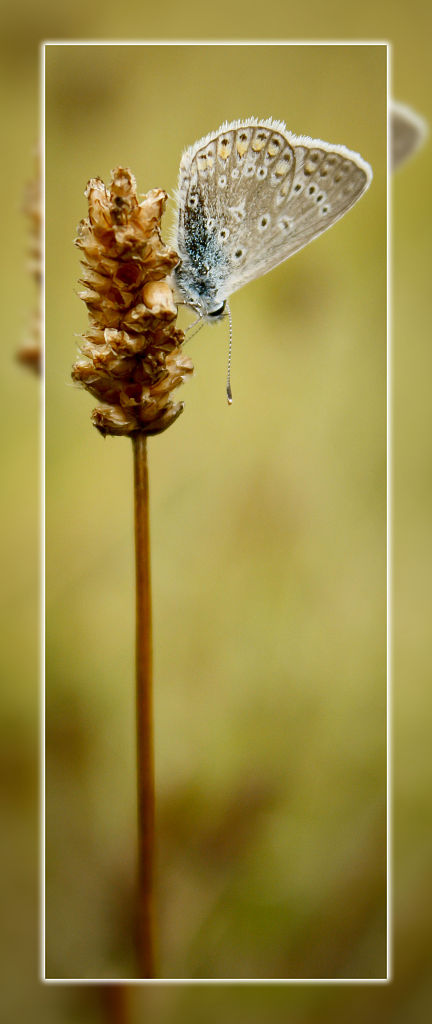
199	292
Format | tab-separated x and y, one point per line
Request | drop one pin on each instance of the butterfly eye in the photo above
217	312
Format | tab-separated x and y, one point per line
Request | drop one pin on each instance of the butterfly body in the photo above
249	196
205	266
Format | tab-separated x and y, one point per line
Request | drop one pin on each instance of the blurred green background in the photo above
408	997
268	552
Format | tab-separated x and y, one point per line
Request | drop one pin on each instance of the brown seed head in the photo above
130	357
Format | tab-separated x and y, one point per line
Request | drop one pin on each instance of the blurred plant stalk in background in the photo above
30	352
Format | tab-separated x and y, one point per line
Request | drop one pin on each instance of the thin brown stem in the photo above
115	1004
144	716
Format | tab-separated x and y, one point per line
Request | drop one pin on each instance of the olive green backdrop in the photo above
409	995
268	551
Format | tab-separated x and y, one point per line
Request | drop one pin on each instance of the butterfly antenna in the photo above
228	383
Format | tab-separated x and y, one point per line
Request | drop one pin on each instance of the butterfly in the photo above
407	133
249	196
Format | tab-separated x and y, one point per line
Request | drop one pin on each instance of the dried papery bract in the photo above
30	352
130	357
131	360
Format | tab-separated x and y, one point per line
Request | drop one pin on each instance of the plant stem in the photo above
144	715
115	1004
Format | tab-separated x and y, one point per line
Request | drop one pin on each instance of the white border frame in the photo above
389	545
42	772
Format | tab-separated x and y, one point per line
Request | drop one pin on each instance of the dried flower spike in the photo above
130	358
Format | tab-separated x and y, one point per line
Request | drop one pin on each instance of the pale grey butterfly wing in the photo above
407	133
252	194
